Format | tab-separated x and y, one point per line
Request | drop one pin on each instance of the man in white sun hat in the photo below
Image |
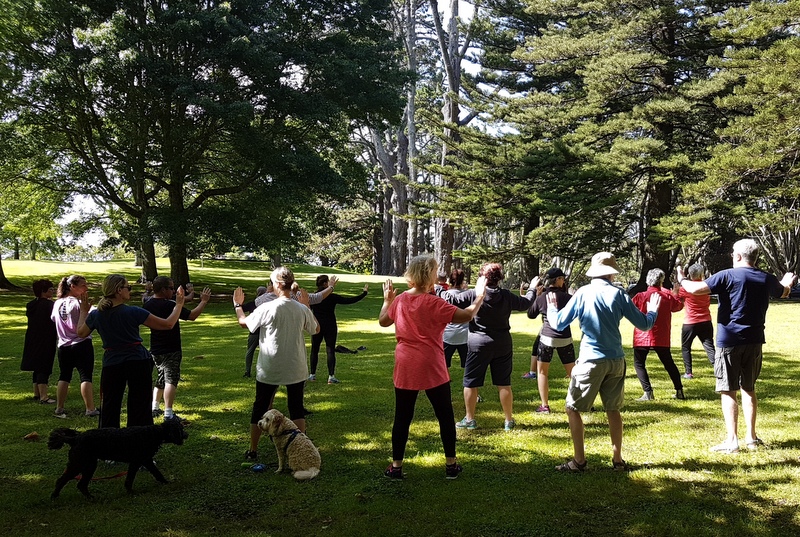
600	367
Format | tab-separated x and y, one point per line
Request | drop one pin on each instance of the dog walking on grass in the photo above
135	445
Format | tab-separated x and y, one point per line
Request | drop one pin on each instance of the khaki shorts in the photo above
606	377
737	367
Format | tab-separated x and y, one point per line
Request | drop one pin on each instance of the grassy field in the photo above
508	486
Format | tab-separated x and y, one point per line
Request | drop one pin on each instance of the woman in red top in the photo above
696	321
657	339
420	318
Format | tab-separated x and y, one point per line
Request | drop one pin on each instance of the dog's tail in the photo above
61	436
301	475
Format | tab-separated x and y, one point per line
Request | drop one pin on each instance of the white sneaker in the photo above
312	378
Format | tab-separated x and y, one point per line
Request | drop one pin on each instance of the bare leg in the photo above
470	400
568	368
87	392
506	401
542	380
61	393
749	408
534	362
576	430
158	394
301	424
41	391
730	411
615	430
169	395
255	436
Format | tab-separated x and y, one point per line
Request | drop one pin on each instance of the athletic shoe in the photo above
480	399
543	409
688	376
333	380
394	472
451	471
60	413
92	413
529	376
725	448
312	378
175	417
251	455
466	424
509	425
157	412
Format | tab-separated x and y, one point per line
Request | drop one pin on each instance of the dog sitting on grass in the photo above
134	445
292	446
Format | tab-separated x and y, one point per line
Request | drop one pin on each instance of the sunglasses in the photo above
128	287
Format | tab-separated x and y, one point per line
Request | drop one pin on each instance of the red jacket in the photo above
659	336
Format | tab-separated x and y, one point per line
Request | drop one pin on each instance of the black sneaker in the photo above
393	472
251	455
451	471
157	412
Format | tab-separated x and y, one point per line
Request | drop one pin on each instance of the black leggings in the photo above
705	332
329	335
265	393
404	403
639	357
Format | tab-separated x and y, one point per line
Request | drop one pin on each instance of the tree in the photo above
604	108
158	108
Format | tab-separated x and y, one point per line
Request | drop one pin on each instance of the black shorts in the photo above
565	354
501	364
79	356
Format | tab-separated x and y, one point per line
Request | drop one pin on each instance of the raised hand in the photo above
302	297
480	287
366	287
653	303
332	281
388	291
205	296
180	296
238	296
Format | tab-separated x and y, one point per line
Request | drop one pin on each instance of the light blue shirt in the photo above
599	307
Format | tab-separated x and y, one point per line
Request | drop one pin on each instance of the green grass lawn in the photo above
508	486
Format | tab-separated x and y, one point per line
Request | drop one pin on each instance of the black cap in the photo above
554	273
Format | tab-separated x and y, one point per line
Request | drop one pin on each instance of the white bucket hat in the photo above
603	264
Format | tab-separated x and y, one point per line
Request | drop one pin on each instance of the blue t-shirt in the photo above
743	301
119	329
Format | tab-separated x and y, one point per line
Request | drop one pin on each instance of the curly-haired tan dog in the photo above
293	447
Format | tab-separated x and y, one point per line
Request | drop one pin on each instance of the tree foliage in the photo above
160	107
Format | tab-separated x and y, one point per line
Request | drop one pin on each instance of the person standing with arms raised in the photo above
600	367
744	292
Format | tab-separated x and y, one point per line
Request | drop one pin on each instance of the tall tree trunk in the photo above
4	282
16	248
179	267
146	249
530	263
657	203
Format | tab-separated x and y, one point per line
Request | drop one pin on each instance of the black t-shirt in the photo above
165	341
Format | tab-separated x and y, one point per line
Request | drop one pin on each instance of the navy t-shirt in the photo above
119	329
165	341
744	294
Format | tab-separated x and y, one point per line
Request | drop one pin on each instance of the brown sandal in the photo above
572	466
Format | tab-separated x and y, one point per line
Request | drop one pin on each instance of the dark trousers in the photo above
639	357
252	344
450	350
404	403
705	332
137	375
265	394
328	334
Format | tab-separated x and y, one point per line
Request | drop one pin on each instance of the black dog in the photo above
134	445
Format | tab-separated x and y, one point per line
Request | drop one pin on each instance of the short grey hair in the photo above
748	249
655	277
696	272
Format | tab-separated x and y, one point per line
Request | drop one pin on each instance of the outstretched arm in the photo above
205	296
467	314
238	298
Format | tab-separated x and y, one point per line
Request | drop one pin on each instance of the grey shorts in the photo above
169	368
737	367
606	377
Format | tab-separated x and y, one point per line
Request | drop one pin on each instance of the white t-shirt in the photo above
282	356
66	312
